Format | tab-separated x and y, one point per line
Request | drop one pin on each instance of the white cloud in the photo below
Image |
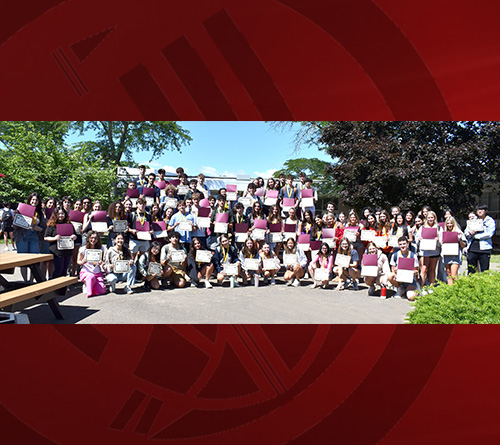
154	164
212	171
169	169
266	174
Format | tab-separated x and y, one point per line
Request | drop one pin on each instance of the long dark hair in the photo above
150	254
53	219
253	251
192	250
112	211
38	207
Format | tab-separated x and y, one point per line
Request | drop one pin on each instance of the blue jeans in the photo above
128	277
28	242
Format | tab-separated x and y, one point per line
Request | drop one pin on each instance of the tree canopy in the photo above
117	141
441	164
35	159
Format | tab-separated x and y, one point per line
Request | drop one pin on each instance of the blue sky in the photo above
233	148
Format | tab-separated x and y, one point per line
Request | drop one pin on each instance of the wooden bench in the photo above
46	291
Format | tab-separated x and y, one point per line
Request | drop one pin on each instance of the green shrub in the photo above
471	300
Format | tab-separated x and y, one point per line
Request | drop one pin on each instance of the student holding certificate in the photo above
255	214
91	273
183	223
119	265
250	262
183	187
353	225
292	220
226	254
289	191
62	257
274	218
87	221
317	229
29	237
169	200
155	194
308	202
252	197
451	251
174	260
199	270
201	186
139	219
239	218
432	254
116	212
480	242
369	225
269	258
384	229
218	226
295	263
28	240
271	184
399	229
410	285
383	269
349	271
150	266
322	262
199	232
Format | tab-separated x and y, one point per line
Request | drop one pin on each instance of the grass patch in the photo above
474	299
495	258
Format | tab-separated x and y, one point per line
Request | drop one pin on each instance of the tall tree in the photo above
117	141
412	163
38	162
57	129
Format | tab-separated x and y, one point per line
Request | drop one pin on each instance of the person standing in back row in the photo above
480	244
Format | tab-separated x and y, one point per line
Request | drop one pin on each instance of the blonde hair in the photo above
426	224
454	222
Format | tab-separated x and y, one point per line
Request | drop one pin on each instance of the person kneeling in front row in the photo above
410	289
120	253
226	254
173	259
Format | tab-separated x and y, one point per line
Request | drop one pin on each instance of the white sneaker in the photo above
84	288
371	290
208	285
296	283
306	276
112	286
289	283
128	290
400	292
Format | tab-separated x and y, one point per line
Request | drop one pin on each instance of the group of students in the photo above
176	233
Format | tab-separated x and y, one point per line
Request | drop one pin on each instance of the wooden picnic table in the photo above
41	291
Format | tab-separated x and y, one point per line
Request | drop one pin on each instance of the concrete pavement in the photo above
245	304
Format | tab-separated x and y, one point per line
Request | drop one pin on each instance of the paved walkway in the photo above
245	304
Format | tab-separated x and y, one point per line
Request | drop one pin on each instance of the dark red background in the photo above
271	60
